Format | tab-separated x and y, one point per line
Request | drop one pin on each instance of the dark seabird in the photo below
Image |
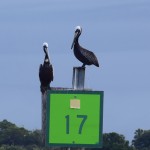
85	56
45	71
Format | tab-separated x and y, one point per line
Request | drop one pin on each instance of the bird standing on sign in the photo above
45	71
85	56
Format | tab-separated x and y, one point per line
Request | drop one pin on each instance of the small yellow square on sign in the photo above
75	103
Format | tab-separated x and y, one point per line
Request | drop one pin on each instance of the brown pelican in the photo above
85	56
45	71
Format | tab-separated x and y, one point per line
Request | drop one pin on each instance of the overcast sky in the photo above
118	32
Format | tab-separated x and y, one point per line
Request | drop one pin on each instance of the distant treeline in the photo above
13	137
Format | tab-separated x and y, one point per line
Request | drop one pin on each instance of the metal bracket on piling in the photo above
78	78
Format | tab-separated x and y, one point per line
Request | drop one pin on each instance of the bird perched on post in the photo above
85	56
45	71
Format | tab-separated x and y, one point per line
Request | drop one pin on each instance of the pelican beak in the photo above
45	50
74	39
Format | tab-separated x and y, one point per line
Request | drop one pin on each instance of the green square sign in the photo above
74	118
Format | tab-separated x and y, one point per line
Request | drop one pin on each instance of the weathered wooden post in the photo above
44	95
44	105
